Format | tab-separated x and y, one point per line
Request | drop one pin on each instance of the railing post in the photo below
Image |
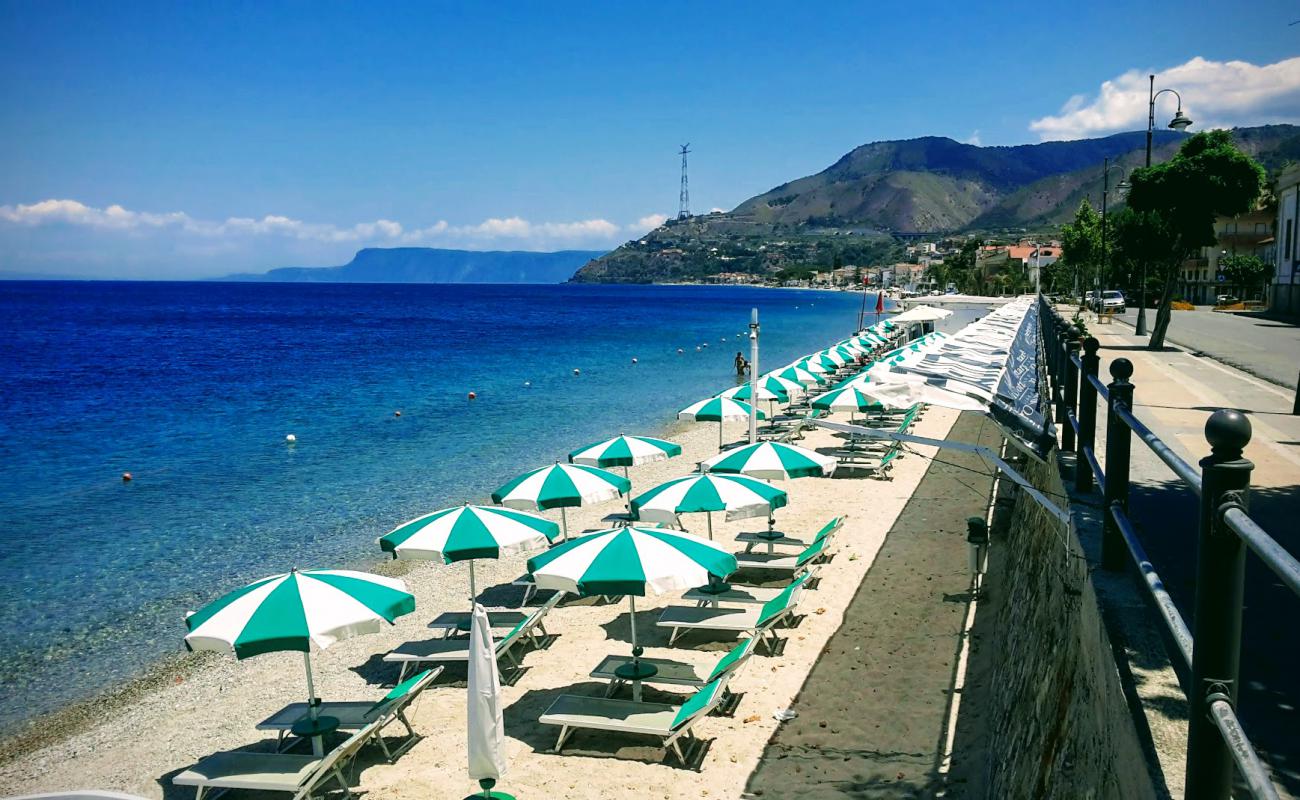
1087	413
1220	581
1071	389
1114	554
1067	435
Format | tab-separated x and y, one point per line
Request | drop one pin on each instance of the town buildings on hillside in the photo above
1200	280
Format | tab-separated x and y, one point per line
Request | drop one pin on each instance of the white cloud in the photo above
647	223
1216	94
974	138
511	231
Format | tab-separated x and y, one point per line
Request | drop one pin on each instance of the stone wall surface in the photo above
1059	723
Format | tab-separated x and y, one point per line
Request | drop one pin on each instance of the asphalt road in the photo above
1264	348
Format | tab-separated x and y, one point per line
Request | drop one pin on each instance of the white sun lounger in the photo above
434	651
355	715
669	723
759	622
675	673
300	776
753	540
798	564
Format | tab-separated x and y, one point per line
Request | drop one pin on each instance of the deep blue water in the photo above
192	388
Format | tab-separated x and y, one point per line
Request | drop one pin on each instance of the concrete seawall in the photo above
1059	725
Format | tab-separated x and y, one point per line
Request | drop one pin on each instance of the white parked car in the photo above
1110	301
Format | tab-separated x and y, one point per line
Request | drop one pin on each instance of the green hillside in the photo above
929	185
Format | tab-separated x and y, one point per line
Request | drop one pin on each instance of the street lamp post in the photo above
1105	241
1180	122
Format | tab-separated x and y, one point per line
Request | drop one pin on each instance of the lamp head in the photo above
1180	122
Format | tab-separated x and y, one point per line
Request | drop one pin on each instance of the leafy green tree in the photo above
961	267
1208	177
1247	272
1081	246
1142	245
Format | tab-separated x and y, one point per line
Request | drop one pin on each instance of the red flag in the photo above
880	302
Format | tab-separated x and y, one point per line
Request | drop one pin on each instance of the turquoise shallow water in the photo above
192	387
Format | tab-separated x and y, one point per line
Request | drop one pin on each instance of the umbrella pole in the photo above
628	478
311	686
719	434
472	593
709	516
564	522
636	651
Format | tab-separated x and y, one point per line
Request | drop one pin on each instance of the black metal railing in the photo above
1210	651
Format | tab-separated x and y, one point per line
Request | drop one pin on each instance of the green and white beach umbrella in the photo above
834	356
772	461
739	496
625	451
561	486
773	382
780	395
848	397
631	561
296	609
843	351
719	410
816	365
798	374
467	532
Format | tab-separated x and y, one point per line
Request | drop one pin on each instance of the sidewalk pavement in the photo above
1265	348
1175	392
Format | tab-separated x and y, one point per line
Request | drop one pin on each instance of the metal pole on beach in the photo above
753	376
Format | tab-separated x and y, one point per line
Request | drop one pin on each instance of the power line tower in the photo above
684	199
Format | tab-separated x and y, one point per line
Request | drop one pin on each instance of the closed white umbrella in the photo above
486	725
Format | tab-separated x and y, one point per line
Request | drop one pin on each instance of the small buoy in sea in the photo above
527	384
397	413
679	351
126	477
697	348
577	371
473	396
706	344
633	359
291	438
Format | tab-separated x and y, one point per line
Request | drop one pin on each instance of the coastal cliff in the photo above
433	265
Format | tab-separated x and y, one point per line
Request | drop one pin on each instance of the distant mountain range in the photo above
928	185
432	265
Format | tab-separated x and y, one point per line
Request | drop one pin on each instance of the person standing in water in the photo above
741	365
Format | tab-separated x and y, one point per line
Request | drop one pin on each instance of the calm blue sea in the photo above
192	388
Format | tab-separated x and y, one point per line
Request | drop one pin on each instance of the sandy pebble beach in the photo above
205	703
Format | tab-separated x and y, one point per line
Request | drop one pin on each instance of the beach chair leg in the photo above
338	773
674	744
198	792
564	734
388	756
401	715
401	675
673	637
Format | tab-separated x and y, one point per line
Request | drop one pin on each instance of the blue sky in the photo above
188	139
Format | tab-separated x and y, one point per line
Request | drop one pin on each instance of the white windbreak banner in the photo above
994	360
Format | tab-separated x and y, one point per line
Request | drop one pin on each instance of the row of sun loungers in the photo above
752	612
528	631
756	615
305	776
